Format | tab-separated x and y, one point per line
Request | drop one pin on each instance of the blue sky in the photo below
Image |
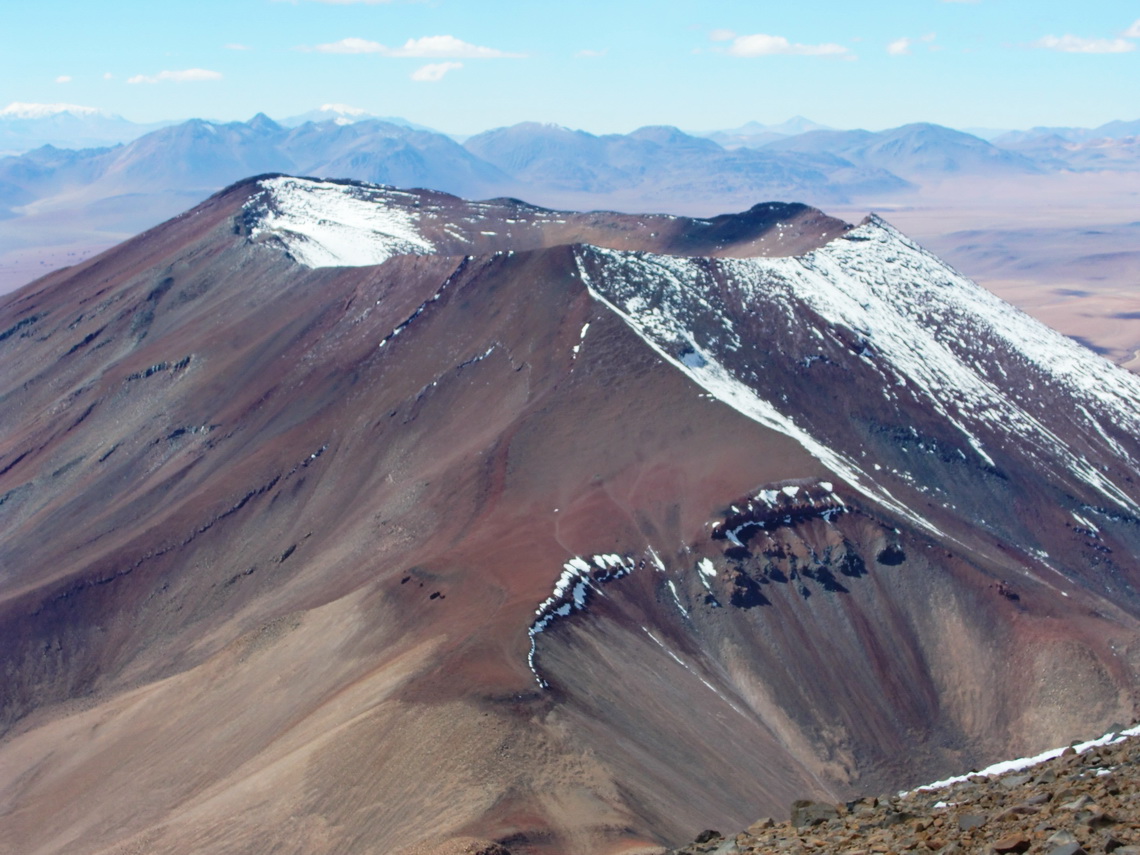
602	65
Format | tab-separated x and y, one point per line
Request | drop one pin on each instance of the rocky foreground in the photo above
1077	802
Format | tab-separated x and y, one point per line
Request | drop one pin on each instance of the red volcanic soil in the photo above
268	570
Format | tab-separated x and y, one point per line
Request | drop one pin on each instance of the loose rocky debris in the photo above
1072	804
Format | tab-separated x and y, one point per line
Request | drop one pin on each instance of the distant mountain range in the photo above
27	126
90	197
159	173
916	152
343	114
755	134
661	164
658	167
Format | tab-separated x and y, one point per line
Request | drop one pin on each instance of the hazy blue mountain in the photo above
343	114
198	157
791	127
386	153
1117	129
915	151
1017	138
555	156
1112	146
987	134
756	134
656	162
24	127
198	154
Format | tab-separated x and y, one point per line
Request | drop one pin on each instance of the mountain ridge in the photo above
51	198
289	529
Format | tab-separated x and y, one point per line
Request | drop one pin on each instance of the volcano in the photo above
340	518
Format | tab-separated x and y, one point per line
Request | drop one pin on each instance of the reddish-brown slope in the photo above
277	596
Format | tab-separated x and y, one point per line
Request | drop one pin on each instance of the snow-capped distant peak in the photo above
343	110
327	224
25	110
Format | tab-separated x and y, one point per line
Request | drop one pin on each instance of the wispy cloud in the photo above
722	36
188	75
1133	32
346	109
448	46
1079	44
63	78
350	45
588	53
762	44
428	47
25	110
435	71
901	47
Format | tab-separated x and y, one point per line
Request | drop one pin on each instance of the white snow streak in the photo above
577	579
1007	766
323	224
655	327
929	331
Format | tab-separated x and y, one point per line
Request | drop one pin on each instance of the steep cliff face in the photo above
576	532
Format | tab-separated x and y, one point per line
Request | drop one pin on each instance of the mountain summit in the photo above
345	518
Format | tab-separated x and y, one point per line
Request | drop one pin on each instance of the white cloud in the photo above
188	75
435	71
350	45
428	47
722	35
1079	44
589	54
900	47
761	44
236	46
108	76
1133	32
344	109
25	110
447	46
63	78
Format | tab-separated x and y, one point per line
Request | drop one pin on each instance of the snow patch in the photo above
1007	766
926	330
571	594
677	598
324	224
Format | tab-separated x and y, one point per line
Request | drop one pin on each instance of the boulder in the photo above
807	813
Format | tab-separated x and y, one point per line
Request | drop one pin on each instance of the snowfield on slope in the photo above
935	335
932	334
326	224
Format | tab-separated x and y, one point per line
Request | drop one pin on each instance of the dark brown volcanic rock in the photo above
509	540
1082	801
